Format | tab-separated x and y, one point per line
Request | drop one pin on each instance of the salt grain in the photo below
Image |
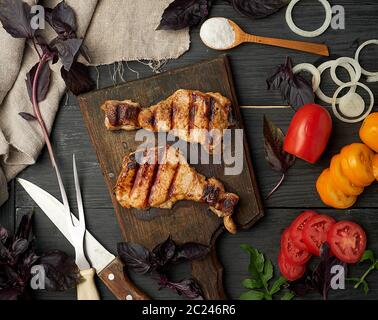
217	33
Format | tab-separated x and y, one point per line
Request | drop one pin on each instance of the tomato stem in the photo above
276	187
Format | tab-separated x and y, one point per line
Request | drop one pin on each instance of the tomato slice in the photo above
288	270
291	252
315	232
297	228
347	241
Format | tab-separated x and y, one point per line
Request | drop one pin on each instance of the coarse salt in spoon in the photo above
224	34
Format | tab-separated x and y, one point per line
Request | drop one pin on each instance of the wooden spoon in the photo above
242	37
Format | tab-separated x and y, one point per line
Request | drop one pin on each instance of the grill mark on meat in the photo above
171	115
156	168
122	113
211	113
152	120
170	191
143	173
192	110
207	111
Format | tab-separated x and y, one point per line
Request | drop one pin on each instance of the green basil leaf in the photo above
268	272
368	256
288	296
277	285
256	265
252	284
268	296
252	295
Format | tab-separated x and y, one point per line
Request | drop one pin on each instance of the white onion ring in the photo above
326	65
344	61
351	84
304	33
372	79
357	56
313	70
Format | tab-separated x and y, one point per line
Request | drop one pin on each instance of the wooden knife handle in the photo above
119	284
209	274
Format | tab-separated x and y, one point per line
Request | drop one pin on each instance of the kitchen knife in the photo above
108	267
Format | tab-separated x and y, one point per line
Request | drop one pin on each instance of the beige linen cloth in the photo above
114	30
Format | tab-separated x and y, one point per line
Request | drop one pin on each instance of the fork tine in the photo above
78	196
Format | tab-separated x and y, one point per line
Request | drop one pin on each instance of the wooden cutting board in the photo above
187	221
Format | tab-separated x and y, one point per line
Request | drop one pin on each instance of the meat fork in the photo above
86	289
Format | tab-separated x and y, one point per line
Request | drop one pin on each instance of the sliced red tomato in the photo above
347	241
315	232
288	270
291	252
297	228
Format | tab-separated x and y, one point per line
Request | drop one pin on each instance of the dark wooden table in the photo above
251	65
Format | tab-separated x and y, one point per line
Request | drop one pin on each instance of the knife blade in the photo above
108	267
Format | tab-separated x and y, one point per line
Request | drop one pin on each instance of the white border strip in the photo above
270	107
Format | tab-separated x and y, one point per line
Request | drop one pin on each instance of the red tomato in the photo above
347	241
288	270
297	228
315	232
292	253
309	133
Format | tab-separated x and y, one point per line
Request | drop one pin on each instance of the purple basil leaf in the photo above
164	252
135	257
30	259
25	227
15	15
9	294
4	252
295	90
278	159
184	13
67	50
85	53
3	234
63	20
77	79
46	48
43	81
19	247
61	271
320	279
191	251
27	116
257	9
189	288
322	274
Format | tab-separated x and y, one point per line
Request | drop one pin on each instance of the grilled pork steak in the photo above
186	114
162	177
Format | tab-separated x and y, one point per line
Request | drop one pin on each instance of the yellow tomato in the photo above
375	166
340	179
357	164
331	195
369	131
